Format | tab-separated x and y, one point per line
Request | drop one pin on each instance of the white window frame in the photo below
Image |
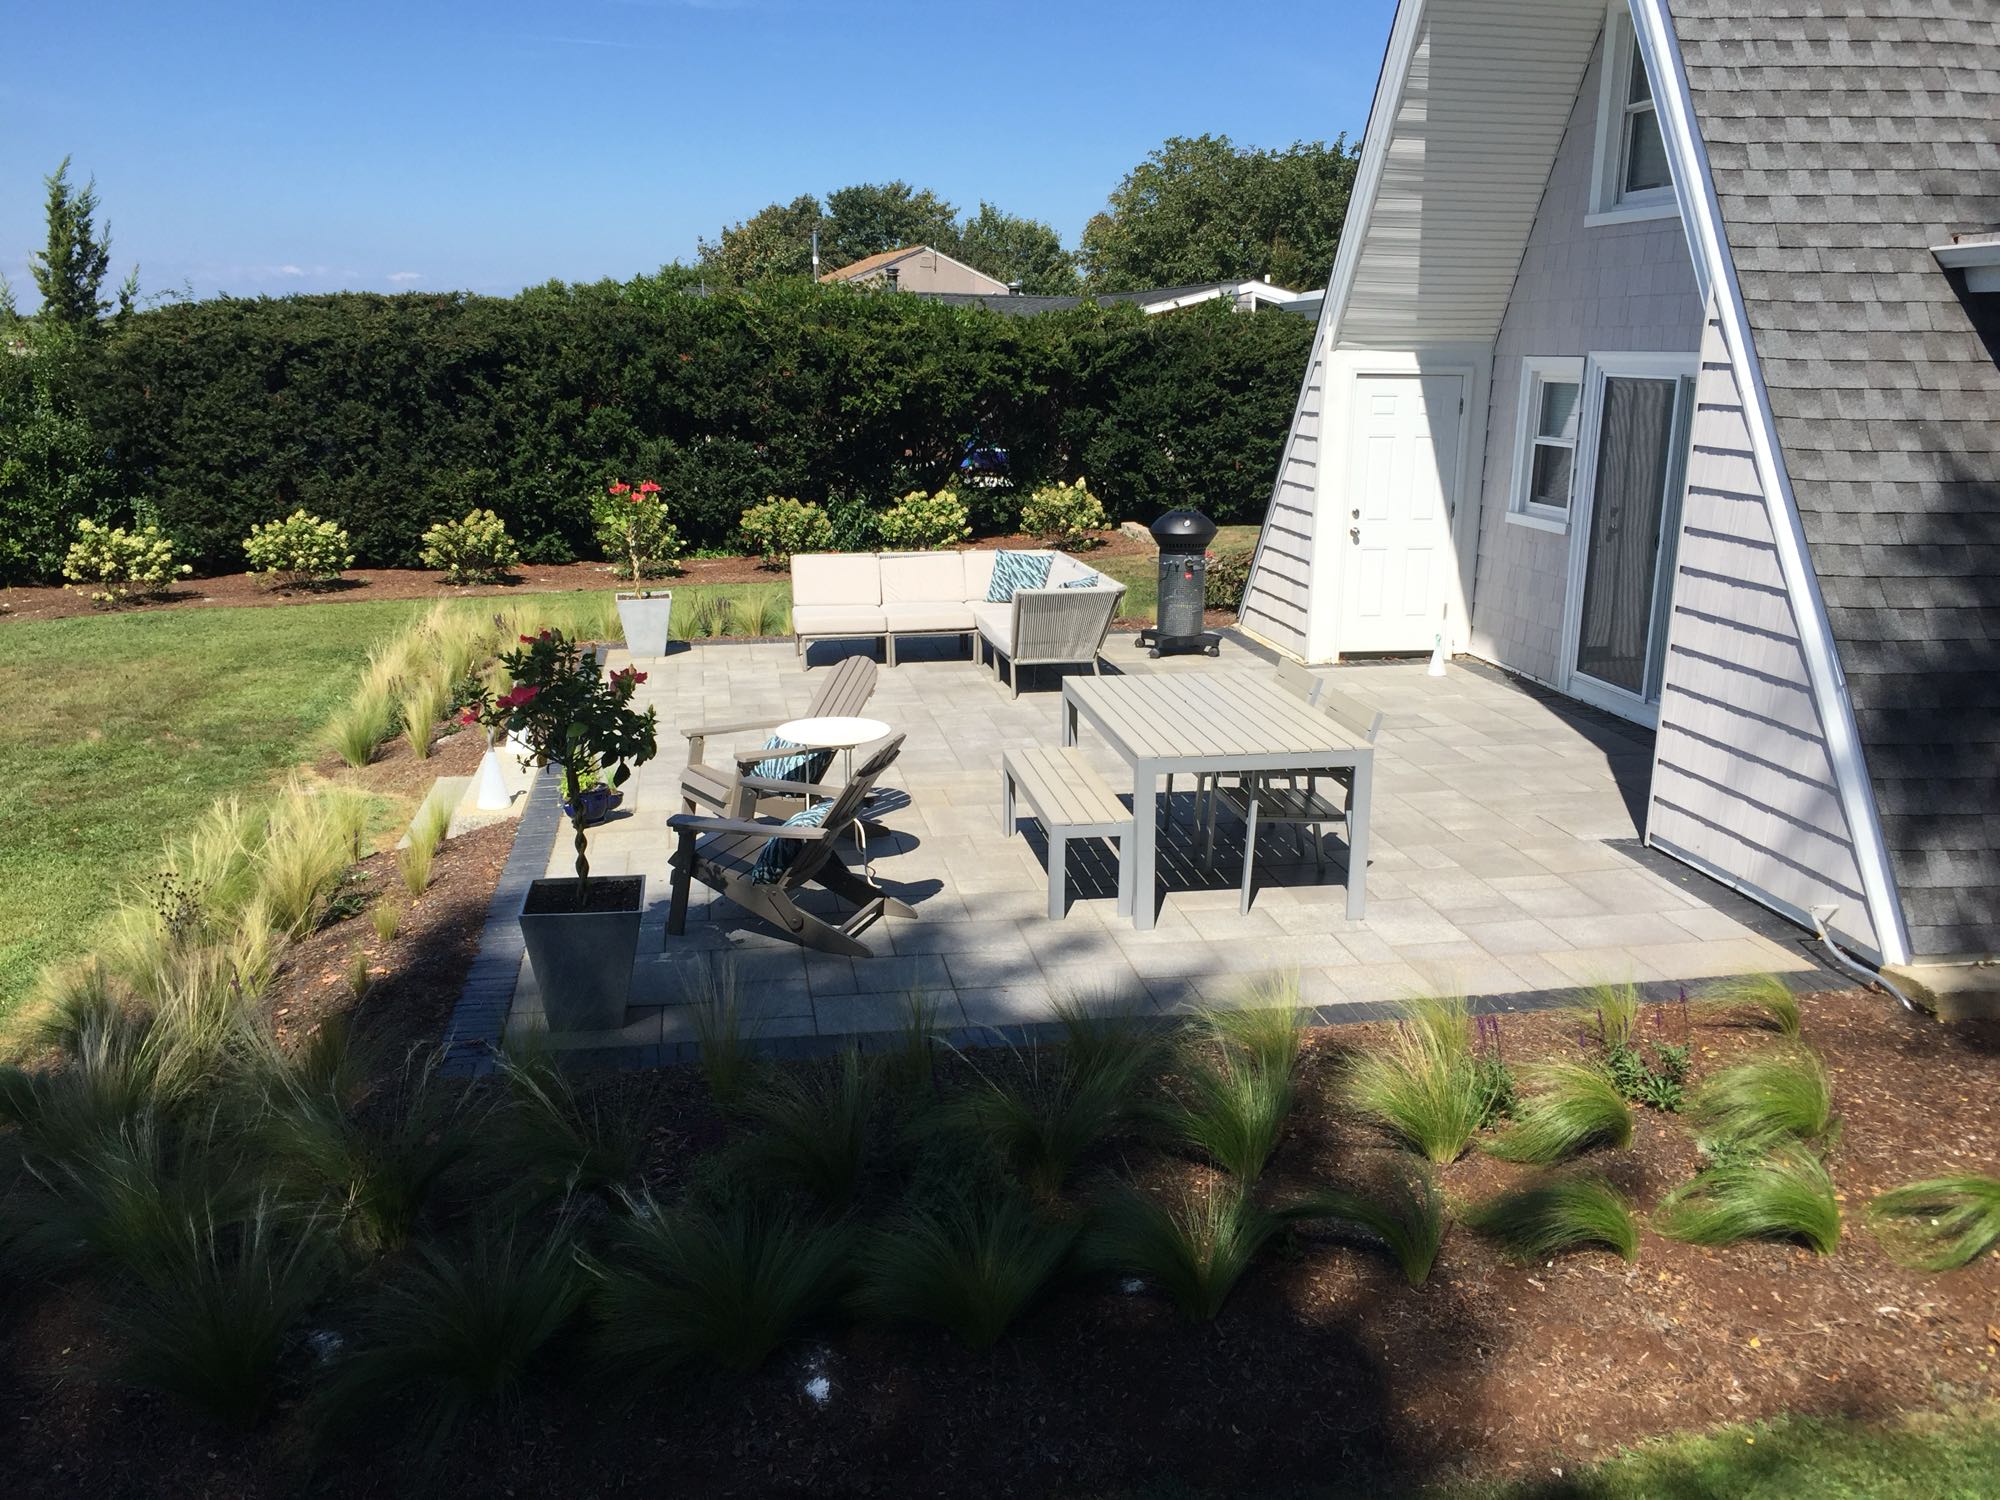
1538	370
1609	203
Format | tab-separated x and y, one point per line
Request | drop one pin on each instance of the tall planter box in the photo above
647	618
583	958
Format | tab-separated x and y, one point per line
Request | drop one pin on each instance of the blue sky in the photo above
281	147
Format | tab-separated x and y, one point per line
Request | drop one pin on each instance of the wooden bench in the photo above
1072	801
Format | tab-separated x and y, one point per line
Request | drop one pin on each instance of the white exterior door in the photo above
1395	519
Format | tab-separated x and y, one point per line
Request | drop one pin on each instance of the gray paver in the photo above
1490	871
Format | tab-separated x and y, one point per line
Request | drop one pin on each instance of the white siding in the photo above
1742	779
1275	604
1488	90
1619	287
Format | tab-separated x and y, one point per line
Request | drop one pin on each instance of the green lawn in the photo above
1953	1457
119	728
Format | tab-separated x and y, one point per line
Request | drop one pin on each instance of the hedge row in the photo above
384	414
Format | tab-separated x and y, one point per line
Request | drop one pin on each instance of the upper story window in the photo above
1633	178
1545	468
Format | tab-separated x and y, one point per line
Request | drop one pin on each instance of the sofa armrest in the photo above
1063	625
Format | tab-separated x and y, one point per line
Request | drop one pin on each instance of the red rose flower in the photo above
647	487
620	489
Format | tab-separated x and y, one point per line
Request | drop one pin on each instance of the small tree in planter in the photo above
633	529
581	934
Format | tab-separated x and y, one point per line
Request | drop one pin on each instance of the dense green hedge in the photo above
384	414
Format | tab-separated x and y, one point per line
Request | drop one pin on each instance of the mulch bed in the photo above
1325	1371
55	602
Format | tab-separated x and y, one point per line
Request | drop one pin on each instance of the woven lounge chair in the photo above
724	853
843	691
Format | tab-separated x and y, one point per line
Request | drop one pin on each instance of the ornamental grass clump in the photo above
1269	1028
728	1064
1426	1086
1405	1216
209	1326
1233	1110
425	699
551	1140
721	1287
299	552
1064	515
311	836
357	729
1567	1108
971	1268
1194	1247
459	1330
1040	1123
633	529
1764	997
1785	1194
370	1160
1939	1224
812	1128
1766	1099
1545	1217
116	566
475	548
918	521
782	527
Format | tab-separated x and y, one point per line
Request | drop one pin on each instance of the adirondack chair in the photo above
843	691
722	854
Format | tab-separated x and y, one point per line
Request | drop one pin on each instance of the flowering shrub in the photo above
1228	577
123	564
633	529
782	526
473	549
299	551
919	520
569	714
1064	515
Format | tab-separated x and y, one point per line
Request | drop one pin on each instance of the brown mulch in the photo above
1325	1369
56	602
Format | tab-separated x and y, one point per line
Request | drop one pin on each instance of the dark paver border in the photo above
479	1019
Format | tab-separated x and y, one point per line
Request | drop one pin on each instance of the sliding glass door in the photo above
1624	528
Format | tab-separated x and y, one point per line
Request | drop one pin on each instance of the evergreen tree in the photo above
70	272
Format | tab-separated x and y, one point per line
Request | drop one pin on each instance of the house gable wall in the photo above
1626	287
1742	780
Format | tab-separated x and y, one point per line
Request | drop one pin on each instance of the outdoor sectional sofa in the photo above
849	595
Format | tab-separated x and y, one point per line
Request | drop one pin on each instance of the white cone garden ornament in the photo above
1437	657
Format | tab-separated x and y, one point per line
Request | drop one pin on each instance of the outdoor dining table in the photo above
1165	723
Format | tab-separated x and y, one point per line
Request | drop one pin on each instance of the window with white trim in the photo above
1545	470
1633	178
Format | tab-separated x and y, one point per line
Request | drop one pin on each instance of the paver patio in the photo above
1504	862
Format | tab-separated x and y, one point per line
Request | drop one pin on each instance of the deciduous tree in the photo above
1014	248
1202	209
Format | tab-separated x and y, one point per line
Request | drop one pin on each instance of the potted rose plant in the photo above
641	542
582	933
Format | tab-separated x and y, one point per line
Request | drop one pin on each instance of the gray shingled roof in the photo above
1846	138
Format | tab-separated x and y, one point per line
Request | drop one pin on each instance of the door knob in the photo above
1355	532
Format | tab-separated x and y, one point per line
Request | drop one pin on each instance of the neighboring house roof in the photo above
1845	139
1152	300
882	261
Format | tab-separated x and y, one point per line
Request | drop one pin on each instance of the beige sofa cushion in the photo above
942	614
838	619
996	623
836	578
978	573
923	578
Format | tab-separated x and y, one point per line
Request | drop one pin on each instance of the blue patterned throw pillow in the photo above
1017	570
777	854
1088	581
807	765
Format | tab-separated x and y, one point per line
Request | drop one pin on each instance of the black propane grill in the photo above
1183	537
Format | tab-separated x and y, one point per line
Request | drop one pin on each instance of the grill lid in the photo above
1183	531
